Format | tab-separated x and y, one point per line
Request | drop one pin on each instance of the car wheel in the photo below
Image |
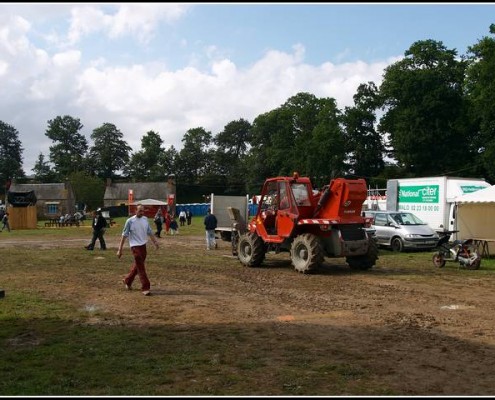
397	244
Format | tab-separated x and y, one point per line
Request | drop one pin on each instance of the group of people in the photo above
185	215
170	221
138	231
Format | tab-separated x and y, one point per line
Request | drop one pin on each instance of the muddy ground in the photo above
415	329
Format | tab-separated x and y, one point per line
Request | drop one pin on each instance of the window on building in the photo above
52	208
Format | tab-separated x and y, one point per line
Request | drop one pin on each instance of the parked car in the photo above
401	230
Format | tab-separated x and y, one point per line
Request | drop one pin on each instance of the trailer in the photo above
432	199
219	205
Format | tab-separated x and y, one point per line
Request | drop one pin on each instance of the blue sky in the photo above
170	67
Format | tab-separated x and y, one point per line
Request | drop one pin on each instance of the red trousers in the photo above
138	268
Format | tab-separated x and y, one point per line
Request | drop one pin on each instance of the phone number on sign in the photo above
419	207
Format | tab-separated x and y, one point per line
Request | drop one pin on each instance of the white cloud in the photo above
171	102
139	20
142	97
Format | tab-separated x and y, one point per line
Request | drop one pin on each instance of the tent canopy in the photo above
486	195
22	199
150	202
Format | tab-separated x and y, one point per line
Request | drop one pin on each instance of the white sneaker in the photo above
147	293
126	285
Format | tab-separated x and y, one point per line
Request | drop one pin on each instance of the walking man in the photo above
99	226
138	230
210	222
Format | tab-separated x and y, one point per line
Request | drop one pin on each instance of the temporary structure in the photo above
476	216
151	206
150	202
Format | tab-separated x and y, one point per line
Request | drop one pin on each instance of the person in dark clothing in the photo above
210	222
188	216
99	226
158	222
5	222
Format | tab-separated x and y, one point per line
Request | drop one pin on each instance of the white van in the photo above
401	230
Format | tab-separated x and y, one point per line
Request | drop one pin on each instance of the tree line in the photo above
432	115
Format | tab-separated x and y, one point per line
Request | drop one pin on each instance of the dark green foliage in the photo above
110	152
88	189
152	162
425	111
69	149
43	173
10	154
480	88
364	146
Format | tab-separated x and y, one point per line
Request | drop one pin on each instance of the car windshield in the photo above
403	218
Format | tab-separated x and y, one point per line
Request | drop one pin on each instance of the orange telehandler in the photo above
310	224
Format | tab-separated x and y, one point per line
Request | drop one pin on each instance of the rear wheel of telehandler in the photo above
251	250
306	253
368	260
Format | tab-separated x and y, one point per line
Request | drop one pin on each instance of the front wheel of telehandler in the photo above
250	250
306	253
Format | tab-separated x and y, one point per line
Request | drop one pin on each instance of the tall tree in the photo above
363	143
43	173
271	146
480	85
69	150
425	110
145	164
231	149
110	152
10	154
88	189
167	160
195	158
303	135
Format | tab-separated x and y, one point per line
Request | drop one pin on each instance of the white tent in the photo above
486	195
150	202
476	216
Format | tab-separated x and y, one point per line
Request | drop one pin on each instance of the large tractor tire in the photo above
368	260
306	253
251	250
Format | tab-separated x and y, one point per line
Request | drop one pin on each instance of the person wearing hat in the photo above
99	226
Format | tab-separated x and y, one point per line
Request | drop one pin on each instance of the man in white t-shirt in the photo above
138	230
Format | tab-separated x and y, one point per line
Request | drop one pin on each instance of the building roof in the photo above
43	191
141	191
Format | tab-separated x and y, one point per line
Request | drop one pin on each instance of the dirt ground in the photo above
416	329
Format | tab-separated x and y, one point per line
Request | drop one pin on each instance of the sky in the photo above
171	67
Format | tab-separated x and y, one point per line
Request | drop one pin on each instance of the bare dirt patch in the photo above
415	330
